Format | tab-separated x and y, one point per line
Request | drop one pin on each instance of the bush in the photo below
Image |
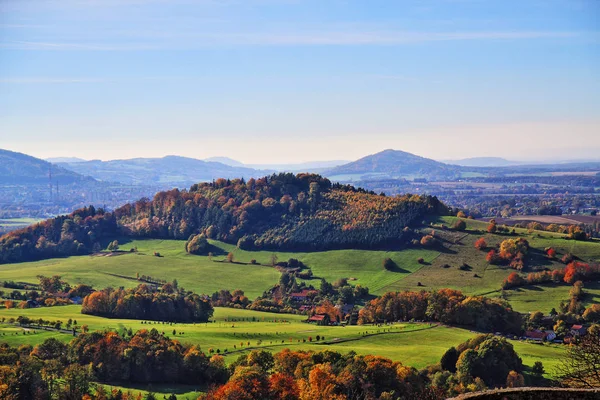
389	264
197	244
459	225
428	241
480	244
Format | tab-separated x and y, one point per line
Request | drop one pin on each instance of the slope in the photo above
395	163
22	169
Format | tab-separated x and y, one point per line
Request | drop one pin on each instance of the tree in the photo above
459	225
480	244
230	257
492	228
428	241
197	244
580	367
389	264
113	246
449	359
592	313
536	318
538	369
77	381
514	380
273	259
467	361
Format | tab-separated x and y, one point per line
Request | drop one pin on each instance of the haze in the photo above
289	81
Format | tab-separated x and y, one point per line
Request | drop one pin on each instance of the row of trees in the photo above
445	305
147	303
573	272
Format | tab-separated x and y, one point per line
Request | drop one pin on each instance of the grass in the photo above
183	392
547	296
18	221
414	344
441	268
202	275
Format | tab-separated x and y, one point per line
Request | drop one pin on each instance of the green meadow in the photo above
204	275
414	344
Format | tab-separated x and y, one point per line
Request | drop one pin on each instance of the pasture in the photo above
414	344
204	275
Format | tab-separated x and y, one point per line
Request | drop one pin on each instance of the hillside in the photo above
18	168
169	171
285	212
395	163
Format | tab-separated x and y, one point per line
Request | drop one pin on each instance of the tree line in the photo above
148	303
445	305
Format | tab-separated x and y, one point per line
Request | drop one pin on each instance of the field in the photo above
12	224
202	275
439	270
414	344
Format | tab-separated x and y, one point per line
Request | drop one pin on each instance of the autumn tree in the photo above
580	367
197	244
492	228
480	244
514	380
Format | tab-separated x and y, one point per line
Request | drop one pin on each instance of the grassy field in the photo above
483	279
202	275
414	344
18	221
440	269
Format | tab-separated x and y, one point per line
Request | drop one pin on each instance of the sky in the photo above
282	81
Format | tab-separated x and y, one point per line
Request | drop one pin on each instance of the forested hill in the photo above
285	212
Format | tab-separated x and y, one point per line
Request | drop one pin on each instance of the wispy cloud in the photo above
190	41
73	80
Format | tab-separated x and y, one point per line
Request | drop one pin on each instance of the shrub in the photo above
459	225
428	241
480	244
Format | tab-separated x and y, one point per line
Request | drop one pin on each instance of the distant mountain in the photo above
225	160
395	163
483	162
169	171
19	168
311	166
56	160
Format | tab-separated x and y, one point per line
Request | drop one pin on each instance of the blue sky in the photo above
299	80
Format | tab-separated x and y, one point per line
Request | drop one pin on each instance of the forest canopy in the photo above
303	212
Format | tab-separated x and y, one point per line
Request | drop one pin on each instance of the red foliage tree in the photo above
480	244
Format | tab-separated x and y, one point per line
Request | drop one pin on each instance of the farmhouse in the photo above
540	336
319	319
578	330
